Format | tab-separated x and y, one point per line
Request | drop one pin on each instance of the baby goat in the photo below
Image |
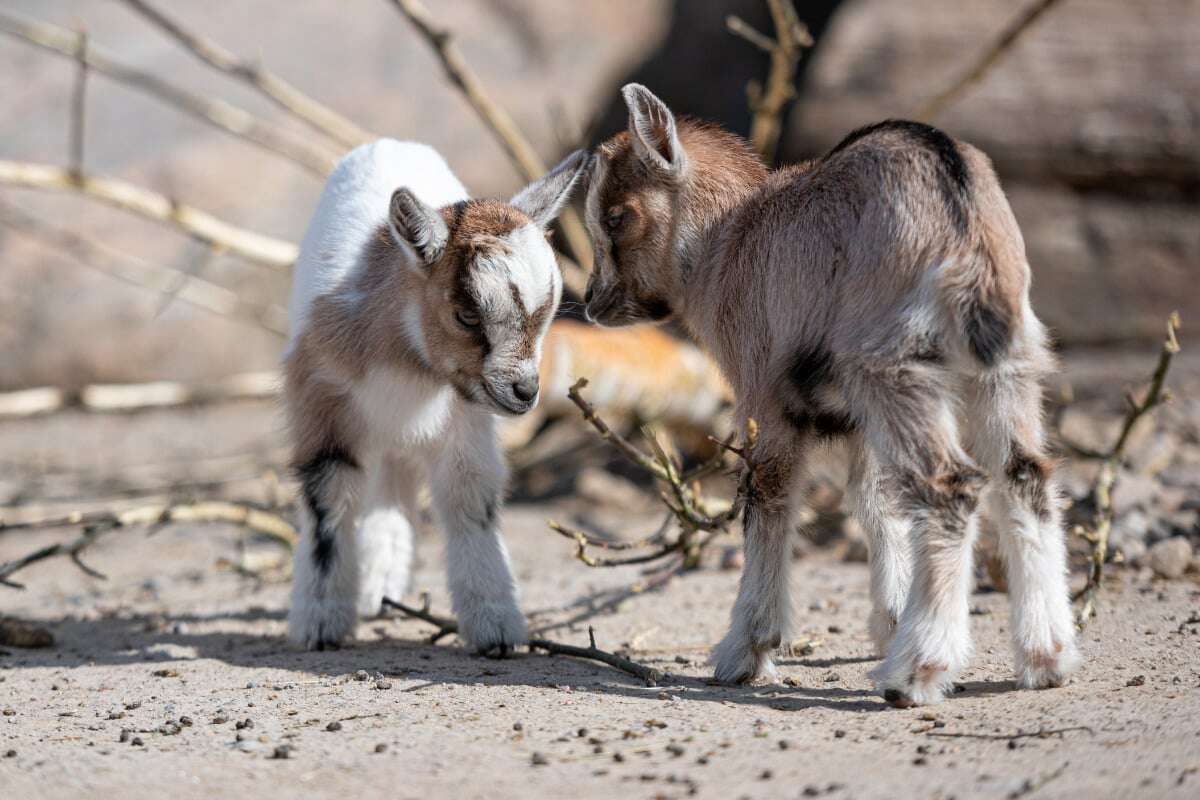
416	314
878	294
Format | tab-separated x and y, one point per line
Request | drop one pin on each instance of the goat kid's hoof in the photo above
1047	670
925	685
322	626
743	665
494	630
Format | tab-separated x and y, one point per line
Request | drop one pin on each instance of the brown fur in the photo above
878	291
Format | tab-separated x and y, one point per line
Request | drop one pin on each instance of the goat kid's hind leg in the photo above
1024	505
762	611
467	486
385	534
877	510
910	425
325	575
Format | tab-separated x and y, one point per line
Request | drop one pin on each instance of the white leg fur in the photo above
888	545
385	535
1024	504
467	489
762	613
324	598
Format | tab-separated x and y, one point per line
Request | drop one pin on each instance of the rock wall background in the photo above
1093	120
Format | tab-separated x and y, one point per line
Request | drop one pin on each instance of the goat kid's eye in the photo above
468	319
614	220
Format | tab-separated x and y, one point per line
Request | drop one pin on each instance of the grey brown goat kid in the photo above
879	294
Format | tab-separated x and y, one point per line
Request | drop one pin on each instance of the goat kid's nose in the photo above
526	389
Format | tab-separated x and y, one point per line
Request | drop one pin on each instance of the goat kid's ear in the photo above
544	198
417	225
652	128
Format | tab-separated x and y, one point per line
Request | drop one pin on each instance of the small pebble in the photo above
243	724
539	760
137	741
361	675
1136	680
10	753
581	733
381	748
186	722
811	791
334	726
220	719
383	685
839	734
518	726
766	775
283	751
784	744
675	750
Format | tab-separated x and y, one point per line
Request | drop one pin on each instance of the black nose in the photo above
587	296
526	389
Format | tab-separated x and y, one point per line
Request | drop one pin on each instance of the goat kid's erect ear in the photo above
652	128
417	225
544	198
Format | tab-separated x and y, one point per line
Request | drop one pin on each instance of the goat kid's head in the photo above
635	184
488	286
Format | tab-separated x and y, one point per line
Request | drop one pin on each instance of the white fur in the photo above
353	205
414	427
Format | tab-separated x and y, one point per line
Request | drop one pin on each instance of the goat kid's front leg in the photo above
467	487
325	574
762	612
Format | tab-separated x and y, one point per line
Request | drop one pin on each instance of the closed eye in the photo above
468	319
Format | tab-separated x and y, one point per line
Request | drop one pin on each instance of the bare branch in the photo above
198	224
503	127
1106	478
134	271
987	59
316	115
768	105
79	104
216	112
98	522
687	507
448	625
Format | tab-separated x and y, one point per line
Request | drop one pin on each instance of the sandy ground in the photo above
190	659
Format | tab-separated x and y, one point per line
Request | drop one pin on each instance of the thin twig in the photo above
1040	733
130	269
449	625
767	105
95	523
681	496
200	225
79	103
986	60
316	115
126	398
216	112
1103	485
504	128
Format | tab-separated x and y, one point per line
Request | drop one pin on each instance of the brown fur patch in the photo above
1029	475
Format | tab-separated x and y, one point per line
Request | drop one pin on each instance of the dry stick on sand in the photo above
316	115
97	522
448	625
216	112
505	129
682	495
79	105
1102	487
768	105
201	226
987	59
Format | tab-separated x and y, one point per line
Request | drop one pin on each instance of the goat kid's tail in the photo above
986	309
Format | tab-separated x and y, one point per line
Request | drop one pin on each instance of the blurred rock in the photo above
1171	558
1092	120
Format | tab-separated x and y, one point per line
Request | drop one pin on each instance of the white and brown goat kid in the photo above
879	294
417	314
